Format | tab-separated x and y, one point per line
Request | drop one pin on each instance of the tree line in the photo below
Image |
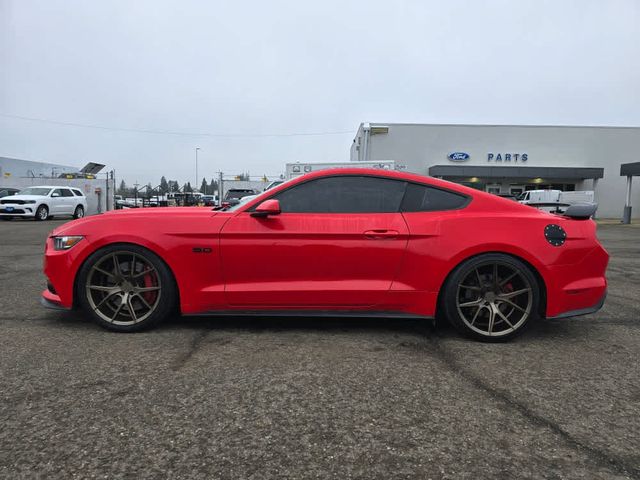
166	186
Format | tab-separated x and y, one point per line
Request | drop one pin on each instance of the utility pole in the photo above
196	184
219	189
135	193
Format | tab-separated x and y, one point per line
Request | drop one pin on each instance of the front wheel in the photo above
126	288
79	212
491	297
42	213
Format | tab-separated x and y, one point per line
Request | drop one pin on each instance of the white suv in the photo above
44	202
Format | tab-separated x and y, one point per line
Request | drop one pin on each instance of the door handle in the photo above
380	234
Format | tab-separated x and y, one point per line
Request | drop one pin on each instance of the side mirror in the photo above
266	208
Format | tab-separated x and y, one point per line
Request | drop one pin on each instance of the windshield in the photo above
35	191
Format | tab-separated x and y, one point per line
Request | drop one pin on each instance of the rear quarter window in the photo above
422	198
77	193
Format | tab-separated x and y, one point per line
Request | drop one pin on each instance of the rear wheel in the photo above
491	297
42	213
79	212
126	288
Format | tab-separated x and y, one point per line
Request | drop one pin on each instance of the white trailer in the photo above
296	169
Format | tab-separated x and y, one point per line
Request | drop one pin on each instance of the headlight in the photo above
29	201
66	242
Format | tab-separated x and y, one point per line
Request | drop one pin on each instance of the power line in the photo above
169	132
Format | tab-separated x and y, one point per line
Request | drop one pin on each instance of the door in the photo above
68	201
56	206
338	242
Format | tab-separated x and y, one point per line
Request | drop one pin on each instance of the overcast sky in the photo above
242	69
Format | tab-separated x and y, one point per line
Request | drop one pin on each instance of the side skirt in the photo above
309	313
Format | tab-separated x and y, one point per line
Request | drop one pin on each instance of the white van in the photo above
557	196
540	196
563	199
585	196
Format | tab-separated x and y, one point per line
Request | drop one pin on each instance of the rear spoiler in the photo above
577	211
549	204
581	211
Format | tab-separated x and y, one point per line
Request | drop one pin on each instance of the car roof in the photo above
479	197
49	186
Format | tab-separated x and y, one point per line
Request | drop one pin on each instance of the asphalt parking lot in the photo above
300	398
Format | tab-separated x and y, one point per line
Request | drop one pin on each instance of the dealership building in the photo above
511	159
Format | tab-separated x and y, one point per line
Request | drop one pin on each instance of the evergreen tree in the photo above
164	185
123	188
204	187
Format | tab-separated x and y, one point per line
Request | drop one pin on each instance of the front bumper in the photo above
60	268
52	301
18	211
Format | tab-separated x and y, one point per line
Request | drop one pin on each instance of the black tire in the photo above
42	213
492	297
99	308
79	212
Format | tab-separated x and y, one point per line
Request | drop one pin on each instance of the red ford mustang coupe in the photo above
339	242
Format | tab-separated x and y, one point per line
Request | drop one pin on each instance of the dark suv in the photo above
233	195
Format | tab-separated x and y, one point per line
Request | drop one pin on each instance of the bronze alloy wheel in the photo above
126	288
123	288
491	297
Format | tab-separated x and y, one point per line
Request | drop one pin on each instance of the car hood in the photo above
113	217
24	197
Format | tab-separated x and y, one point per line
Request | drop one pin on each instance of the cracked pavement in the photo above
315	398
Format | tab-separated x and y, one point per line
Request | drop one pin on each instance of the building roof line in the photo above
629	127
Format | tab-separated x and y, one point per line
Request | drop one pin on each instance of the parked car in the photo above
348	242
120	202
43	202
208	200
7	191
233	195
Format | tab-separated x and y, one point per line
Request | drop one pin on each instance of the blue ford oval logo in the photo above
458	156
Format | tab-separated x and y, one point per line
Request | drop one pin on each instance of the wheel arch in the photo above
124	243
542	302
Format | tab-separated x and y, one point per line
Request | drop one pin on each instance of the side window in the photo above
421	198
77	193
66	192
57	192
348	194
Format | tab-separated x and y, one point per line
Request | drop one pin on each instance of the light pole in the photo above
195	185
